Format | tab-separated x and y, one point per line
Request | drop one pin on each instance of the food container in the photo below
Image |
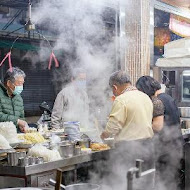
85	143
77	150
13	157
23	161
184	111
39	160
32	160
67	150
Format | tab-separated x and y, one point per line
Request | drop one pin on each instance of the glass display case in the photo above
177	81
185	86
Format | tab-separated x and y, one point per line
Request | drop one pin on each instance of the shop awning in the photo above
18	45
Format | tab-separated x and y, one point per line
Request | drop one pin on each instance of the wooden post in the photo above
58	179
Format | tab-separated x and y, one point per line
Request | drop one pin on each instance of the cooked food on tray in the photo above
31	138
99	146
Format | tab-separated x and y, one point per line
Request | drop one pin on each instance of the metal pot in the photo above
14	156
83	186
79	186
85	143
67	150
184	111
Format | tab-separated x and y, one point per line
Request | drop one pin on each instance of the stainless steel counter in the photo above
31	173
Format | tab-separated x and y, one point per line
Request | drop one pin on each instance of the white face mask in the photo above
81	84
18	89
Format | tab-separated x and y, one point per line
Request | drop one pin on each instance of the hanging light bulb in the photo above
29	26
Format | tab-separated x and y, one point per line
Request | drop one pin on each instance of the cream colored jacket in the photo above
131	117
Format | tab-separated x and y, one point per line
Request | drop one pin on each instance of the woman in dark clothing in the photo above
168	141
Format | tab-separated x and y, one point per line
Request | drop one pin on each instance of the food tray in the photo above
6	150
25	146
14	145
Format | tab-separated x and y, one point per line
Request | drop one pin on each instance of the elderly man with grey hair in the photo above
130	123
11	102
131	115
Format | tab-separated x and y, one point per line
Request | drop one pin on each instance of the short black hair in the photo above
148	85
12	75
119	78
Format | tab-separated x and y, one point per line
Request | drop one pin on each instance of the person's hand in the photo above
23	126
104	135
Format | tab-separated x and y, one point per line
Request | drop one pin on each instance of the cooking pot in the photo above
184	111
84	143
78	186
67	150
83	186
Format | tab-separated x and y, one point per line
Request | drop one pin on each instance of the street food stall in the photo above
31	159
38	175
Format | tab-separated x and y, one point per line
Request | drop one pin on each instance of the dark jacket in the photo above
11	108
171	130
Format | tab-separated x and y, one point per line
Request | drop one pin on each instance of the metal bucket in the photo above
67	151
14	156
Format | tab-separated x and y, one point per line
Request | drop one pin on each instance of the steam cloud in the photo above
81	33
85	42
